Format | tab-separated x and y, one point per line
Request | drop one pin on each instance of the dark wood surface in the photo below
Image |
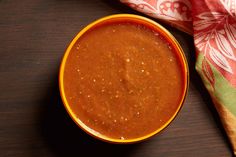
33	122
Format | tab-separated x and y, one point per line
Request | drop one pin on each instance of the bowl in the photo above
75	95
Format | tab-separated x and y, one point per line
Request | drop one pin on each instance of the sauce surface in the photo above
123	80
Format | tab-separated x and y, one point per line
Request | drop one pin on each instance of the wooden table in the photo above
33	122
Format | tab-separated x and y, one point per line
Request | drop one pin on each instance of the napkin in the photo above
213	26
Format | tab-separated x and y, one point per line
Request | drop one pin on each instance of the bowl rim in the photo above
143	20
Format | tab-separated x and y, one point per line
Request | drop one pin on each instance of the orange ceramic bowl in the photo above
136	19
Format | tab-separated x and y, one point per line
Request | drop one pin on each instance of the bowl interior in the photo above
116	19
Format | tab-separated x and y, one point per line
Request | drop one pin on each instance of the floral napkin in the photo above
213	26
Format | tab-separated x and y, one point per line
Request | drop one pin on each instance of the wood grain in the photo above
33	121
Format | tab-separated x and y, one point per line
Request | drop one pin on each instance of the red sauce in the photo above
123	80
